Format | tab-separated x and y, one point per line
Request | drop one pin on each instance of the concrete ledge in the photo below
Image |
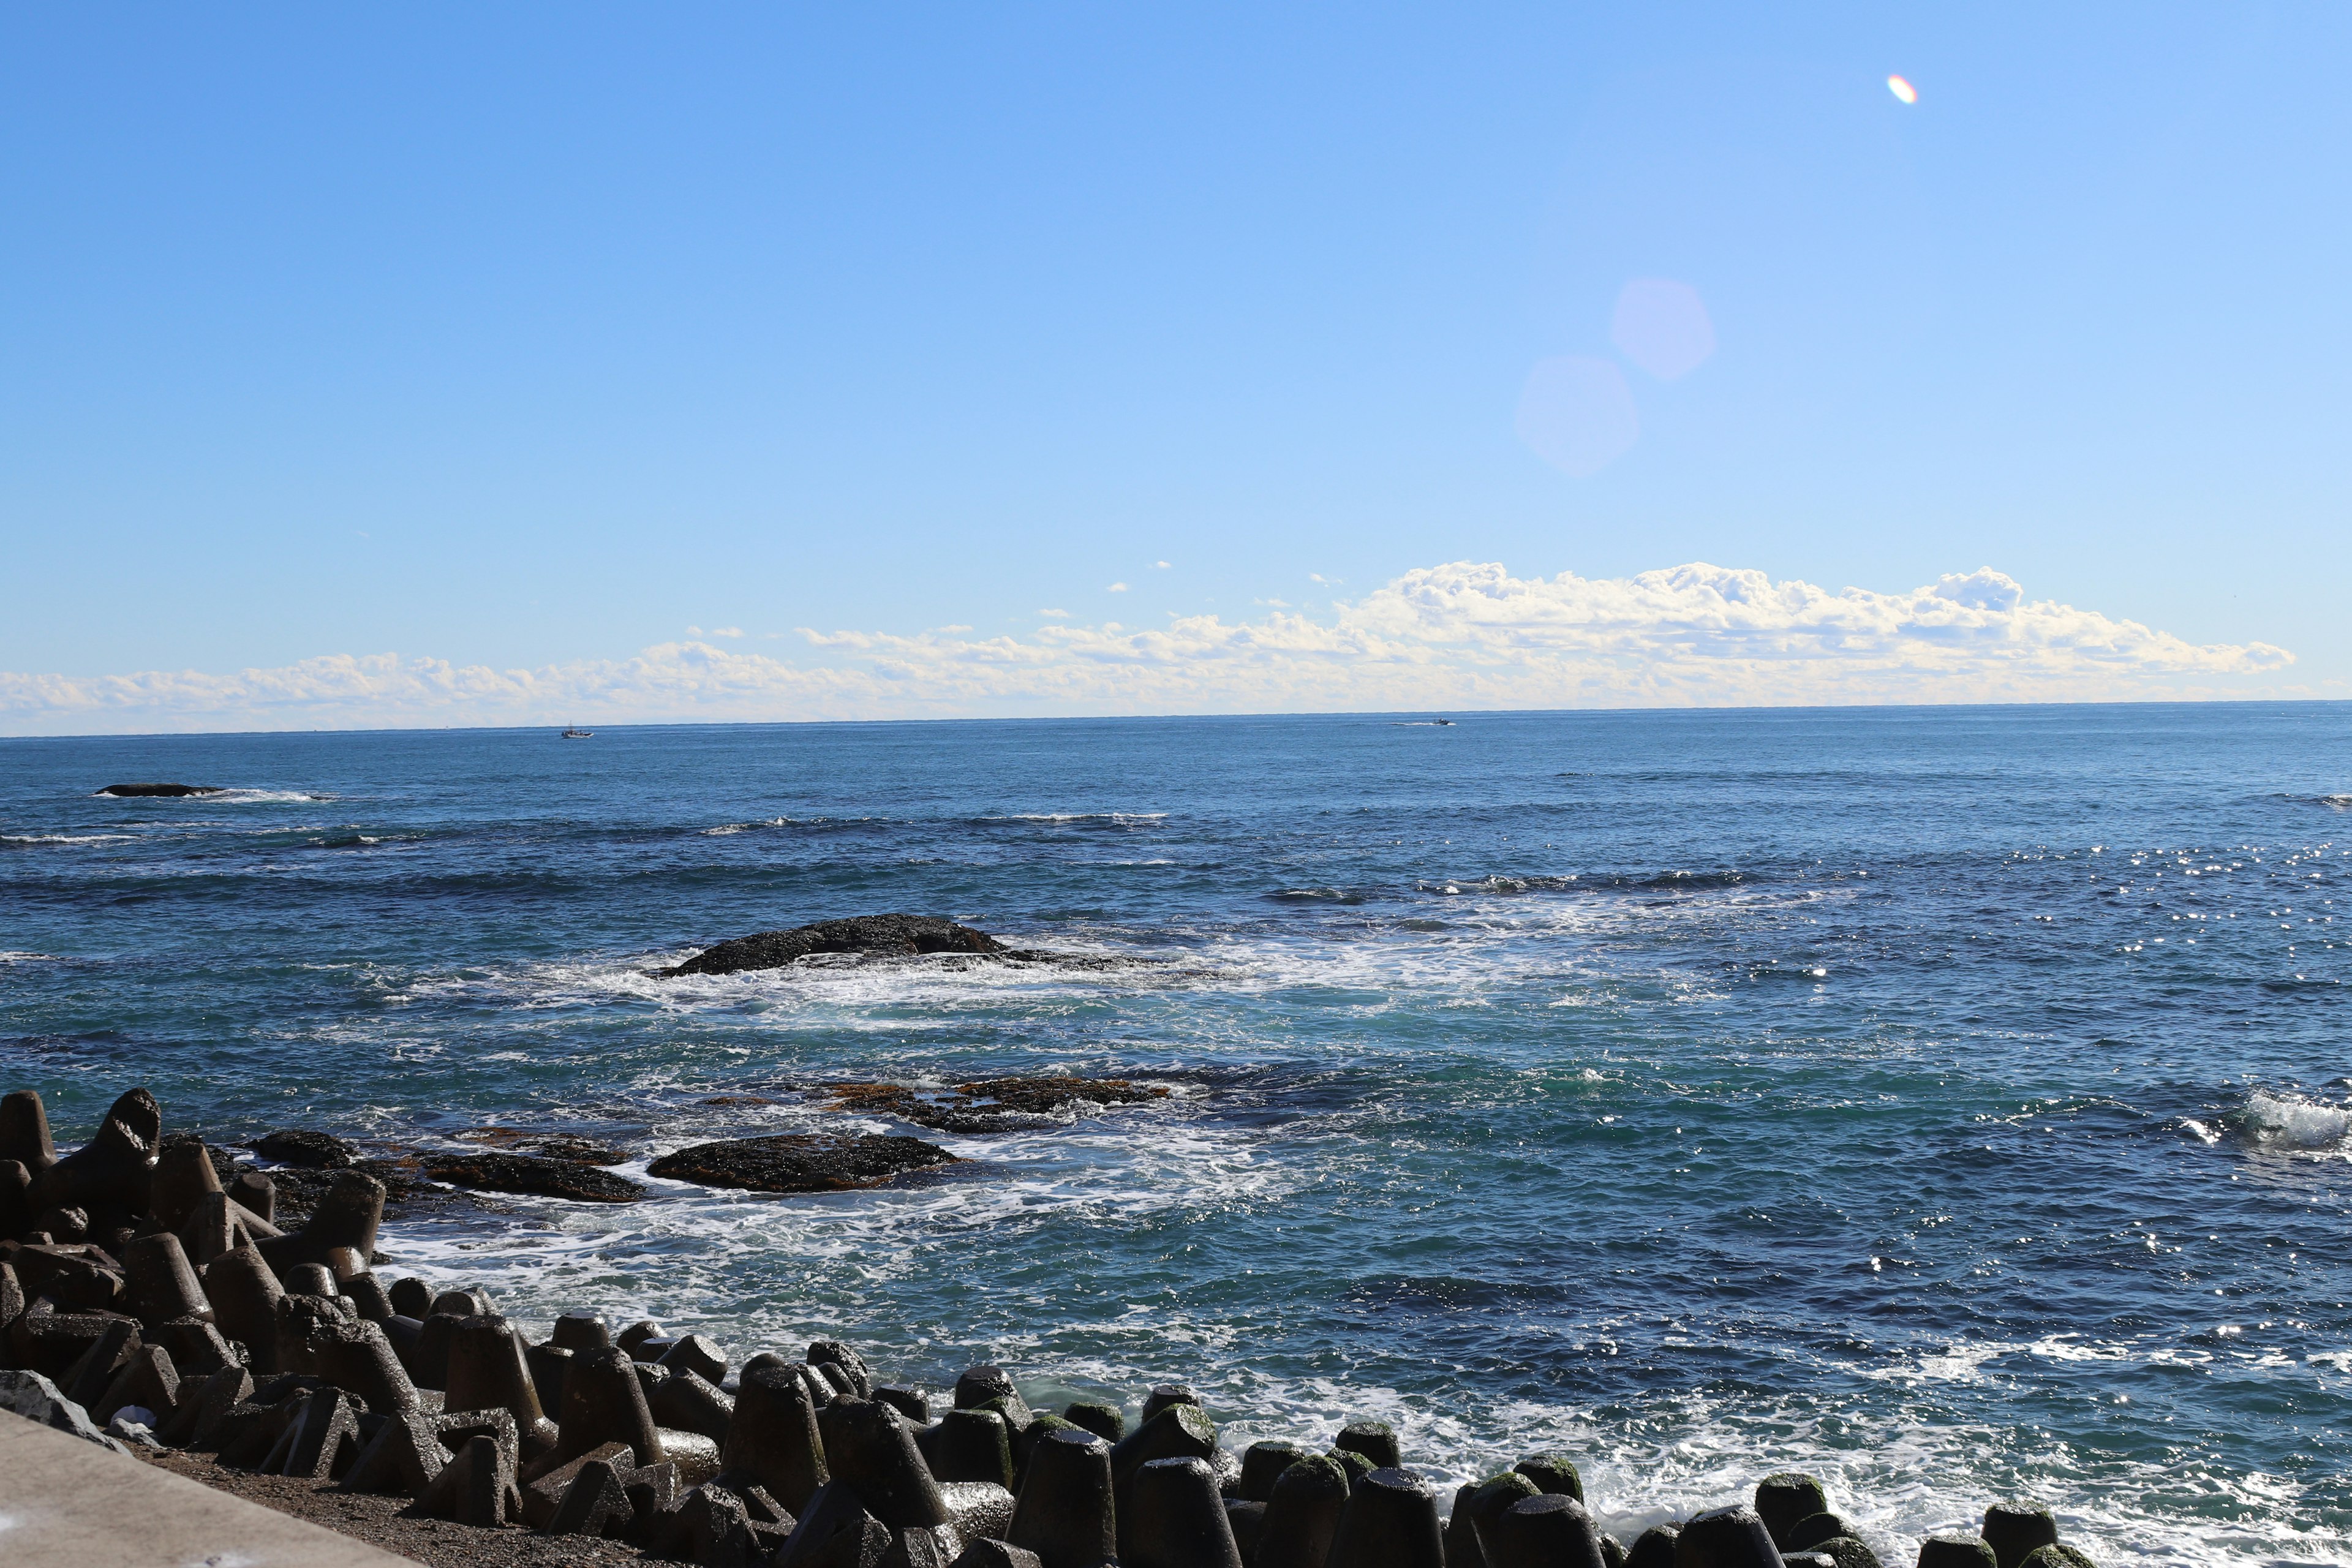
66	1500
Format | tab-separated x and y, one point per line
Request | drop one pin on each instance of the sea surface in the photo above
1950	1102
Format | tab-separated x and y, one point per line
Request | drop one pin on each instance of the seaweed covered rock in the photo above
885	936
492	1171
800	1162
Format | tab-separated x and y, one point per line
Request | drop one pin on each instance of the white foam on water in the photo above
67	837
2276	1120
30	958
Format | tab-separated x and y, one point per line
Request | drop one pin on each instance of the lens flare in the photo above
1902	89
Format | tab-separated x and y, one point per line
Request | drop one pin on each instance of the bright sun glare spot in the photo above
1902	90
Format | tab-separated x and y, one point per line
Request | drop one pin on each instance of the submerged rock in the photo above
300	1146
800	1162
136	791
548	1145
891	936
497	1173
993	1105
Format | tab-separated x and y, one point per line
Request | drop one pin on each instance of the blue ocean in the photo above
1950	1102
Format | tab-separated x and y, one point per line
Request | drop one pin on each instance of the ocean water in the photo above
1950	1102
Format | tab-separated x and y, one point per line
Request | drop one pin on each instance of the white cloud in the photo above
1462	636
1056	615
715	632
1116	588
1160	566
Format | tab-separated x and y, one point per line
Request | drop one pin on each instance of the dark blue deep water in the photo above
1952	1102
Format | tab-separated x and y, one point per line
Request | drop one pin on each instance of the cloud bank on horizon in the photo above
1465	634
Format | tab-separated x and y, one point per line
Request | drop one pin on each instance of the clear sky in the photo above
530	337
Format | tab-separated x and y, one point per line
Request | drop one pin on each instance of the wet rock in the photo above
1784	1500
800	1162
2015	1529
986	1553
568	1146
872	936
529	1174
977	1508
304	1148
158	791
994	1105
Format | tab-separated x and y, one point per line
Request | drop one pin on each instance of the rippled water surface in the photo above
1950	1102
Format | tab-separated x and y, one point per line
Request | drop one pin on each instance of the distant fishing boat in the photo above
1447	722
574	733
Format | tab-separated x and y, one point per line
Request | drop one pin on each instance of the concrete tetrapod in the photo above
989	1387
1178	1431
1391	1521
2014	1529
1174	1519
1262	1465
869	1447
833	1352
1302	1515
1552	1473
1781	1500
1490	1498
245	1294
486	1373
184	1178
1550	1529
1375	1440
114	1171
685	1402
476	1488
346	1217
1726	1538
603	1403
1654	1547
1103	1420
1065	1513
1957	1552
969	1445
773	1434
357	1356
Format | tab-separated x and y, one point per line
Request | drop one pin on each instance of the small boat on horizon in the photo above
574	733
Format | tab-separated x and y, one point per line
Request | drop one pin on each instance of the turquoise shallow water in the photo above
1952	1102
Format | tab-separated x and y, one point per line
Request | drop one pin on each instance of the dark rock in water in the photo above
995	1104
142	791
1784	1500
497	1173
312	1151
1553	1473
548	1145
893	936
800	1162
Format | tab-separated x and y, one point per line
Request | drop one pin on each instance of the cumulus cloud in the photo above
1466	635
1116	588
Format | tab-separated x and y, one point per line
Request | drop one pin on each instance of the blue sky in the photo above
530	337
